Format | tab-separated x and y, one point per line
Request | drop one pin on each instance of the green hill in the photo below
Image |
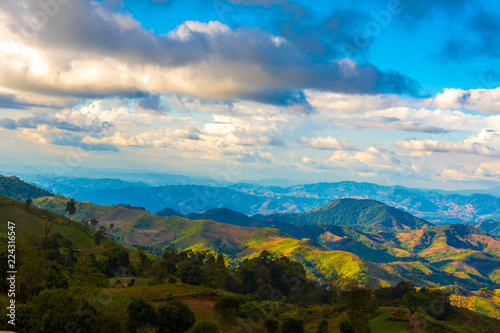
361	214
491	226
13	187
35	221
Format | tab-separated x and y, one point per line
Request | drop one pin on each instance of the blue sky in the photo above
392	92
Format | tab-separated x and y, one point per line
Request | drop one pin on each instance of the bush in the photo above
141	314
110	323
228	307
322	326
175	317
345	327
272	325
205	326
292	325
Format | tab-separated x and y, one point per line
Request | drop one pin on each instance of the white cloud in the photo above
482	100
447	146
327	143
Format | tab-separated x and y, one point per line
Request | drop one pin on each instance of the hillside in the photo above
361	214
35	221
13	187
491	226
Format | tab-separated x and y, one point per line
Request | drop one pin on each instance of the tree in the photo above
228	307
141	314
111	226
359	303
71	207
94	222
322	326
28	203
175	317
345	327
205	326
292	325
272	325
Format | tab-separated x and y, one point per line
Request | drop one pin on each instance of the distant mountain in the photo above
14	188
71	186
168	212
444	254
223	215
359	213
491	226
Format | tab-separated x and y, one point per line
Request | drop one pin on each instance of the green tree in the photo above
345	327
272	325
71	207
292	325
57	310
170	259
175	317
141	314
191	272
28	203
205	326
228	307
322	326
359	303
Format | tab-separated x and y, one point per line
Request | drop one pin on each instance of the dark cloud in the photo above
10	102
34	122
479	37
8	123
303	61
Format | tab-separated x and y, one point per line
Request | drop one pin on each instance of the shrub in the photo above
322	326
175	317
110	323
272	325
141	314
292	325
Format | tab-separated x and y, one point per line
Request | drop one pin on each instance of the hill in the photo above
361	214
37	222
13	187
491	226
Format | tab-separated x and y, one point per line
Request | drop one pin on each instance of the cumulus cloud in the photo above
88	51
482	100
447	146
327	143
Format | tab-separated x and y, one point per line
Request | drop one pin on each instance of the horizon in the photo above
384	92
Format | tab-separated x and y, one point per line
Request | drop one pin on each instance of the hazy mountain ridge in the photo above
432	205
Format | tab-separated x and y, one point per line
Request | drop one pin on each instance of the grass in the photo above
379	324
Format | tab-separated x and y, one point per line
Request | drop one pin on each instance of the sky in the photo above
394	92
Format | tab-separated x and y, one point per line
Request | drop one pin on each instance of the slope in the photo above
362	214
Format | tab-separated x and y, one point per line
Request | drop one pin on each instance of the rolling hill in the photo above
13	187
361	214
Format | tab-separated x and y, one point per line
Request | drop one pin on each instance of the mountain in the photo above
14	188
35	221
361	214
432	205
168	212
491	226
435	206
223	215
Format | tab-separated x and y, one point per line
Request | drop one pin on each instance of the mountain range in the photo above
350	238
189	195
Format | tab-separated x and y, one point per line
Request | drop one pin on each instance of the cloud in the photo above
482	100
327	143
88	51
447	147
38	120
480	38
